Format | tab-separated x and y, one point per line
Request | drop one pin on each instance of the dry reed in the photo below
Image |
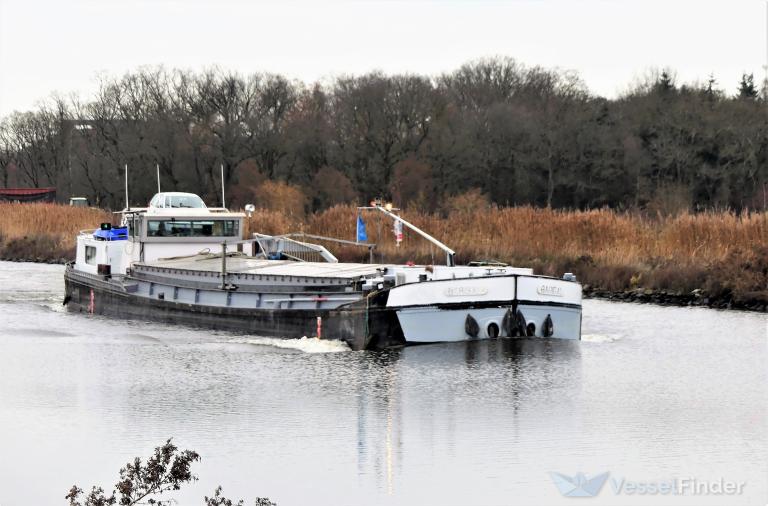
44	231
524	233
717	251
724	253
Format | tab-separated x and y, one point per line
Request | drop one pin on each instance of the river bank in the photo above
713	259
697	298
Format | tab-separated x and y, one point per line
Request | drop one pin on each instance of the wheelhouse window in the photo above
188	201
180	201
90	255
193	228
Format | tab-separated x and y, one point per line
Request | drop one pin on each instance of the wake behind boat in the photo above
174	261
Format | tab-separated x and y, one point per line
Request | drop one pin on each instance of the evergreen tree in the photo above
665	82
747	88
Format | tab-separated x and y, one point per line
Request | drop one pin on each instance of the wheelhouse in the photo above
175	224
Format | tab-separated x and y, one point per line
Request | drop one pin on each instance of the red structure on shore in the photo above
28	194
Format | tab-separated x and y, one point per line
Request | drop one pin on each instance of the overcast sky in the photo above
62	45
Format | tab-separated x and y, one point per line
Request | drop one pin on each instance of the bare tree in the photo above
521	134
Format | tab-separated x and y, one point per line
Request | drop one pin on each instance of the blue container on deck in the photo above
111	234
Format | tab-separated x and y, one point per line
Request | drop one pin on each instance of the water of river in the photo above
651	394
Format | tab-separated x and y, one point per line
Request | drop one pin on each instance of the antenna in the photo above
126	187
223	202
157	165
765	82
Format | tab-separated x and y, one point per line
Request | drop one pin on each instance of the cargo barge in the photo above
178	261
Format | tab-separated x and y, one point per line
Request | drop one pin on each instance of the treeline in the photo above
508	133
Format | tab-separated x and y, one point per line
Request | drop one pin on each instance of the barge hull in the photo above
361	328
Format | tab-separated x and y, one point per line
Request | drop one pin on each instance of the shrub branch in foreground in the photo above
165	471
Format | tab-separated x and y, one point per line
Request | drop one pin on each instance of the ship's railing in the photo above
281	246
371	246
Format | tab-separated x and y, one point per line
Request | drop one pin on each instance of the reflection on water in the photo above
650	393
427	387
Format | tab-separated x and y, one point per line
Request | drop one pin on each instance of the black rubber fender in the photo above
520	324
471	326
514	324
548	328
506	323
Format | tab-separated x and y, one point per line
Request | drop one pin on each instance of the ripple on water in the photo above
599	338
38	332
304	344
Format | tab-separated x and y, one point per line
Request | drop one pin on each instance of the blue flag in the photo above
361	235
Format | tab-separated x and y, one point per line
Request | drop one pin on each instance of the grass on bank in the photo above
44	232
722	253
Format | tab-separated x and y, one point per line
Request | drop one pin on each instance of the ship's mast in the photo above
765	67
223	202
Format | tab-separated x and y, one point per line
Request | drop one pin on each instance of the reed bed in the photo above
722	253
17	220
725	254
44	232
509	234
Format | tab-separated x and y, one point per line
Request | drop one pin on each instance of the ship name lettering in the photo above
463	291
551	290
